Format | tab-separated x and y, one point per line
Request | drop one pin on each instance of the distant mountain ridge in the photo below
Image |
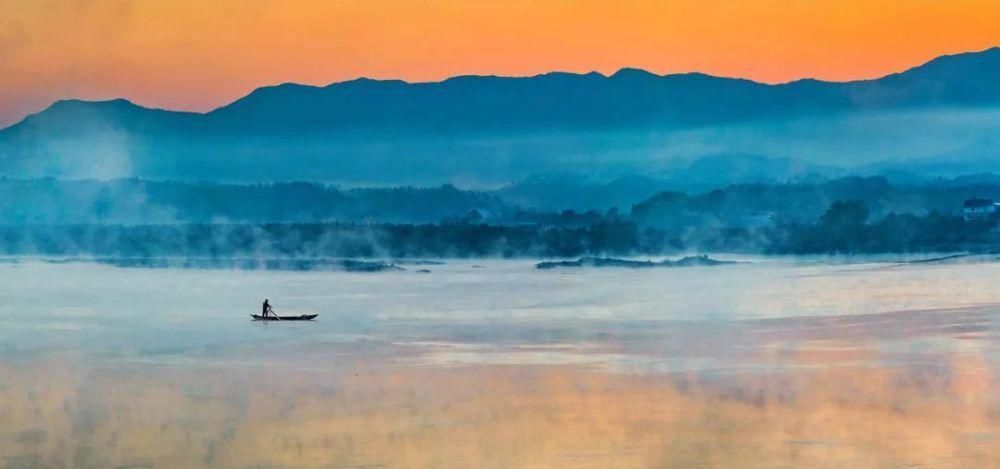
469	126
628	97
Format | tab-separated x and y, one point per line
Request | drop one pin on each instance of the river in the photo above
490	363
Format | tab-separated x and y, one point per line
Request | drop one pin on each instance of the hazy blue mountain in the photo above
492	130
714	171
556	192
626	99
583	192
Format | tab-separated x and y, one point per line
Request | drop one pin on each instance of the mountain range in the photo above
489	131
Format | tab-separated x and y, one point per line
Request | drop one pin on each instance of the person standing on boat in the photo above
267	308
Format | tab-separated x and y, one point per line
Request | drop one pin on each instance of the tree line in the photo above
844	228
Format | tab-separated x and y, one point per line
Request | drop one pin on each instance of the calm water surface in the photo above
773	363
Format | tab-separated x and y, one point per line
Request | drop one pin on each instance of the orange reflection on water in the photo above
379	413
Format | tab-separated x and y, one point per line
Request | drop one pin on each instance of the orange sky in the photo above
198	54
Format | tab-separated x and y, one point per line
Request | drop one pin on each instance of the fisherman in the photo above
267	309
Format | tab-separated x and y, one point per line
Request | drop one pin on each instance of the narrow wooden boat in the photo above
301	317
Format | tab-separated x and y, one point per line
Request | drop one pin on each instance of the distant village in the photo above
978	209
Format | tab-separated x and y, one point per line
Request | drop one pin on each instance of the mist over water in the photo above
789	361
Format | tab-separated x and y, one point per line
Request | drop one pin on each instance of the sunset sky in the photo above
197	54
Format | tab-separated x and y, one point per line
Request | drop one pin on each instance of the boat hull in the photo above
301	317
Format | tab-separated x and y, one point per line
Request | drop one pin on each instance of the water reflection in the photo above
377	414
408	377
